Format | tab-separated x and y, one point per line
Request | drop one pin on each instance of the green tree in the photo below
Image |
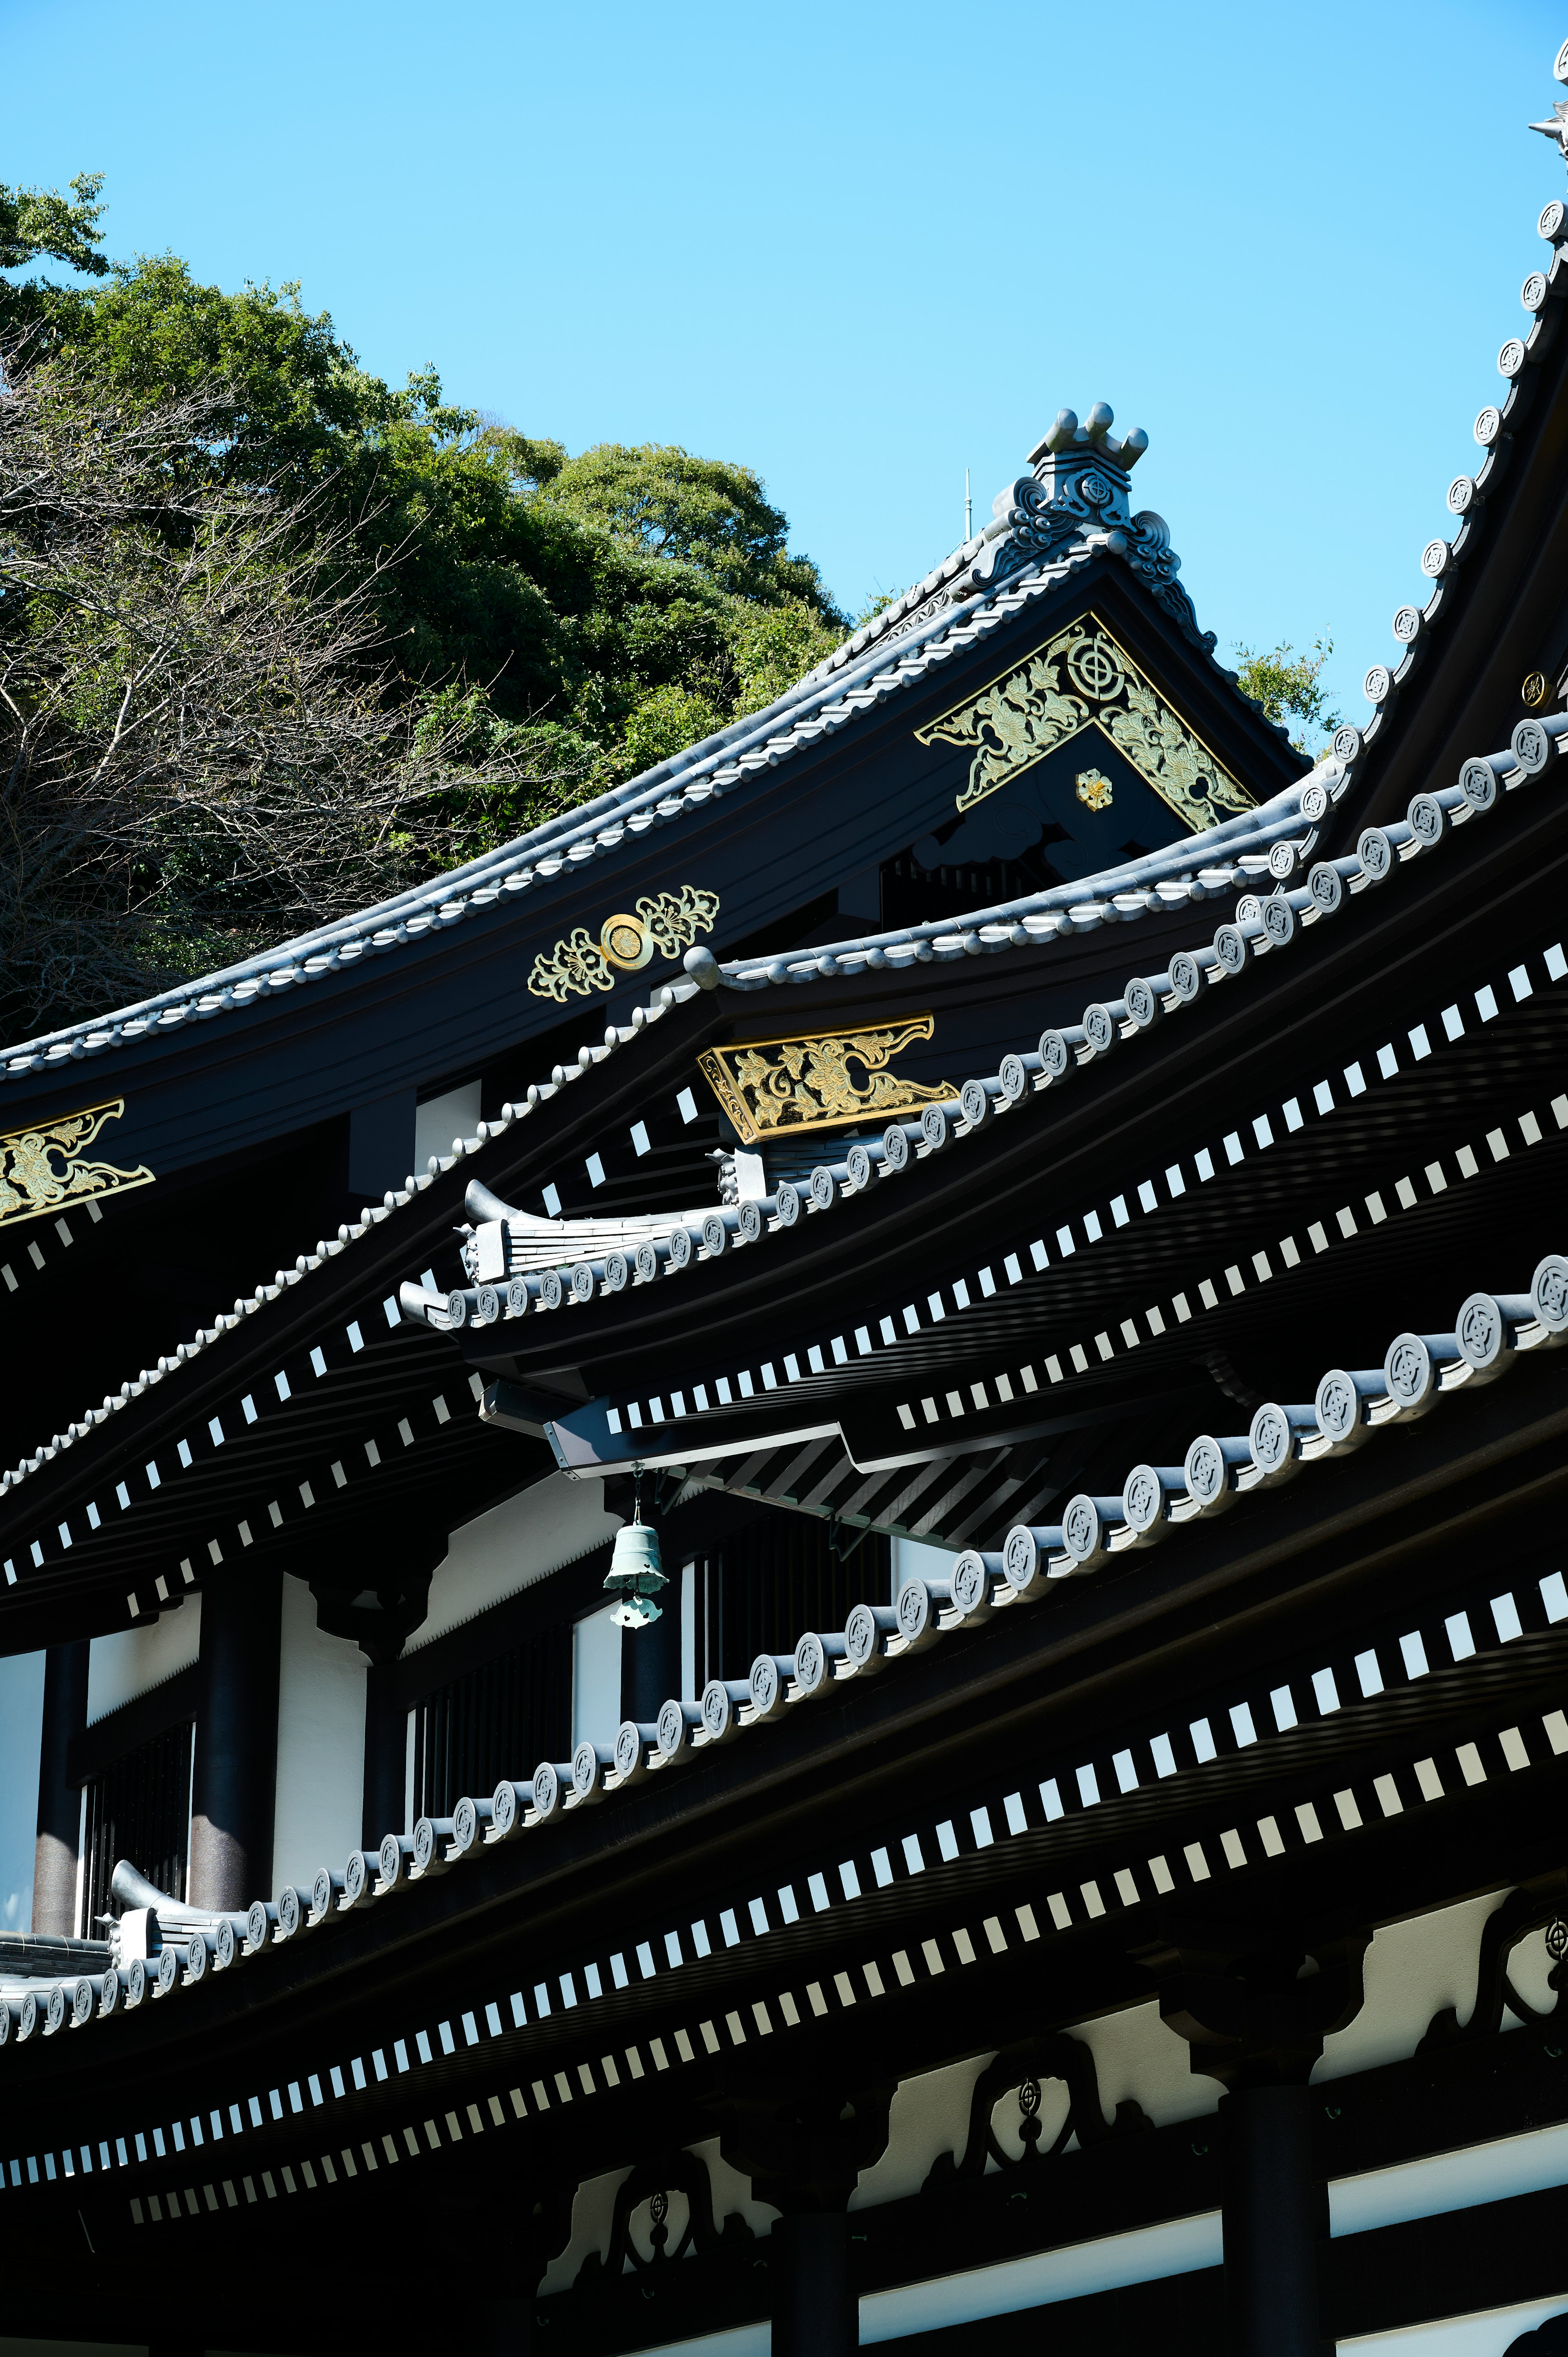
561	622
706	511
38	221
1281	682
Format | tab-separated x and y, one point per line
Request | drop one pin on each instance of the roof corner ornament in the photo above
1078	494
1557	128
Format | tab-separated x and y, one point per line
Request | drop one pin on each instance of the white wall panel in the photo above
556	1521
127	1664
318	1812
441	1119
21	1732
913	1559
596	1679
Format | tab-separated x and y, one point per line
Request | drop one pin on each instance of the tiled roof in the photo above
1351	1408
1303	895
676	789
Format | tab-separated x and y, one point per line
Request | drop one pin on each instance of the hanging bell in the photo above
635	1574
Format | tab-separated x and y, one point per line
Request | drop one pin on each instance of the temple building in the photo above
990	1244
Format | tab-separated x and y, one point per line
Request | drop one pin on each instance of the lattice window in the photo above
139	1808
501	1719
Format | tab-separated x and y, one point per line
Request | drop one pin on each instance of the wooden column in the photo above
1274	2219
1256	2023
815	2312
236	1739
386	1757
803	2143
56	1854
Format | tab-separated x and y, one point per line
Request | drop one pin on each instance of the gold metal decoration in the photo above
42	1169
668	923
1533	692
1084	679
1095	789
774	1088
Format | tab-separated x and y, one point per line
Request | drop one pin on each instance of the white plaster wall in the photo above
121	1666
593	2210
913	1559
441	1119
1412	1970
1135	2056
21	1732
929	2117
596	1679
556	1521
317	1814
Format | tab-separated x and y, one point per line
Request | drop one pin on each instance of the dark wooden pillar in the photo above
236	1739
815	2312
56	1854
503	2327
1274	2219
803	2144
1256	2023
386	1757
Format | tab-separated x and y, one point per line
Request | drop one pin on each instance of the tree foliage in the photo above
35	222
203	748
1283	682
523	626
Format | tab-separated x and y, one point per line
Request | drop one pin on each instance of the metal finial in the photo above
1557	128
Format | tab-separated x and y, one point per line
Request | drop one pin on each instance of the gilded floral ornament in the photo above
772	1087
1083	680
42	1169
669	922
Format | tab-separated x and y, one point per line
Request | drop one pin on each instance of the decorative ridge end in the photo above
1093	437
1557	128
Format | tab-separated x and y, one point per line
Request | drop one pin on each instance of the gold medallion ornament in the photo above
774	1088
1095	789
1533	692
42	1169
1083	680
668	923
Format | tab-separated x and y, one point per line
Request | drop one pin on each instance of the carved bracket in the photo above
1537	1905
1023	2066
1250	2013
802	2146
684	2172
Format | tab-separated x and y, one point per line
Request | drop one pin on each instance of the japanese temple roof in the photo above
1305	895
917	637
1493	614
47	1545
1193	870
1048	1599
1043	534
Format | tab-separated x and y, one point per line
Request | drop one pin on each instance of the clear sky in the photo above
864	244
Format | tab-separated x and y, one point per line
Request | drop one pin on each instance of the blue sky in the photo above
863	247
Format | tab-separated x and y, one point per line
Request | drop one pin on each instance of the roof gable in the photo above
752	823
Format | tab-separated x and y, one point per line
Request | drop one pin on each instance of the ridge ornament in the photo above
668	923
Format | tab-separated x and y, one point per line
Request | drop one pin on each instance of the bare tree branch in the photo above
205	742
